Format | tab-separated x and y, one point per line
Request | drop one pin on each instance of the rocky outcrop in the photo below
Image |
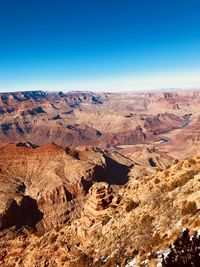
162	123
135	223
52	183
98	200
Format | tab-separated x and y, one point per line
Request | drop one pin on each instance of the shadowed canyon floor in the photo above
97	179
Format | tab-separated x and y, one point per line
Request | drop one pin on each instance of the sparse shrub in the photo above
190	208
184	178
64	258
179	167
83	261
188	175
63	243
176	161
192	161
111	262
176	184
155	240
184	252
157	181
58	228
166	173
146	220
131	205
106	220
185	221
197	223
55	248
52	239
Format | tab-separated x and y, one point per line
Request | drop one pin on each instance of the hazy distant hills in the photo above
100	119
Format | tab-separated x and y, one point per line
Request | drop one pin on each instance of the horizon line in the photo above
151	90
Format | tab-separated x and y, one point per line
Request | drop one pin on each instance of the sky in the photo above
99	45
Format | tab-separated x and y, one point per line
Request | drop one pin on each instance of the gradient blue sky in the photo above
102	45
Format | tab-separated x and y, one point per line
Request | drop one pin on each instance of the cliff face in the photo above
103	120
123	201
88	216
50	182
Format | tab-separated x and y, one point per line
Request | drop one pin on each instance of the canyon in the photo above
102	119
97	179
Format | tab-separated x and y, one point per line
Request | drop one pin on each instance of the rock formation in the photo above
90	180
103	120
50	217
51	182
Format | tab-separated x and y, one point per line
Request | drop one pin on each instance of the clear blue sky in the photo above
99	44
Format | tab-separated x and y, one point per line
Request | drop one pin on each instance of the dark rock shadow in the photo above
24	214
113	173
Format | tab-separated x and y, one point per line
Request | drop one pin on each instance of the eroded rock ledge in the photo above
43	187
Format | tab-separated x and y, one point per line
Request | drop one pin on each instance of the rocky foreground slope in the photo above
91	207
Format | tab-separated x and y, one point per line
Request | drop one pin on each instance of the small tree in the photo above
185	252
